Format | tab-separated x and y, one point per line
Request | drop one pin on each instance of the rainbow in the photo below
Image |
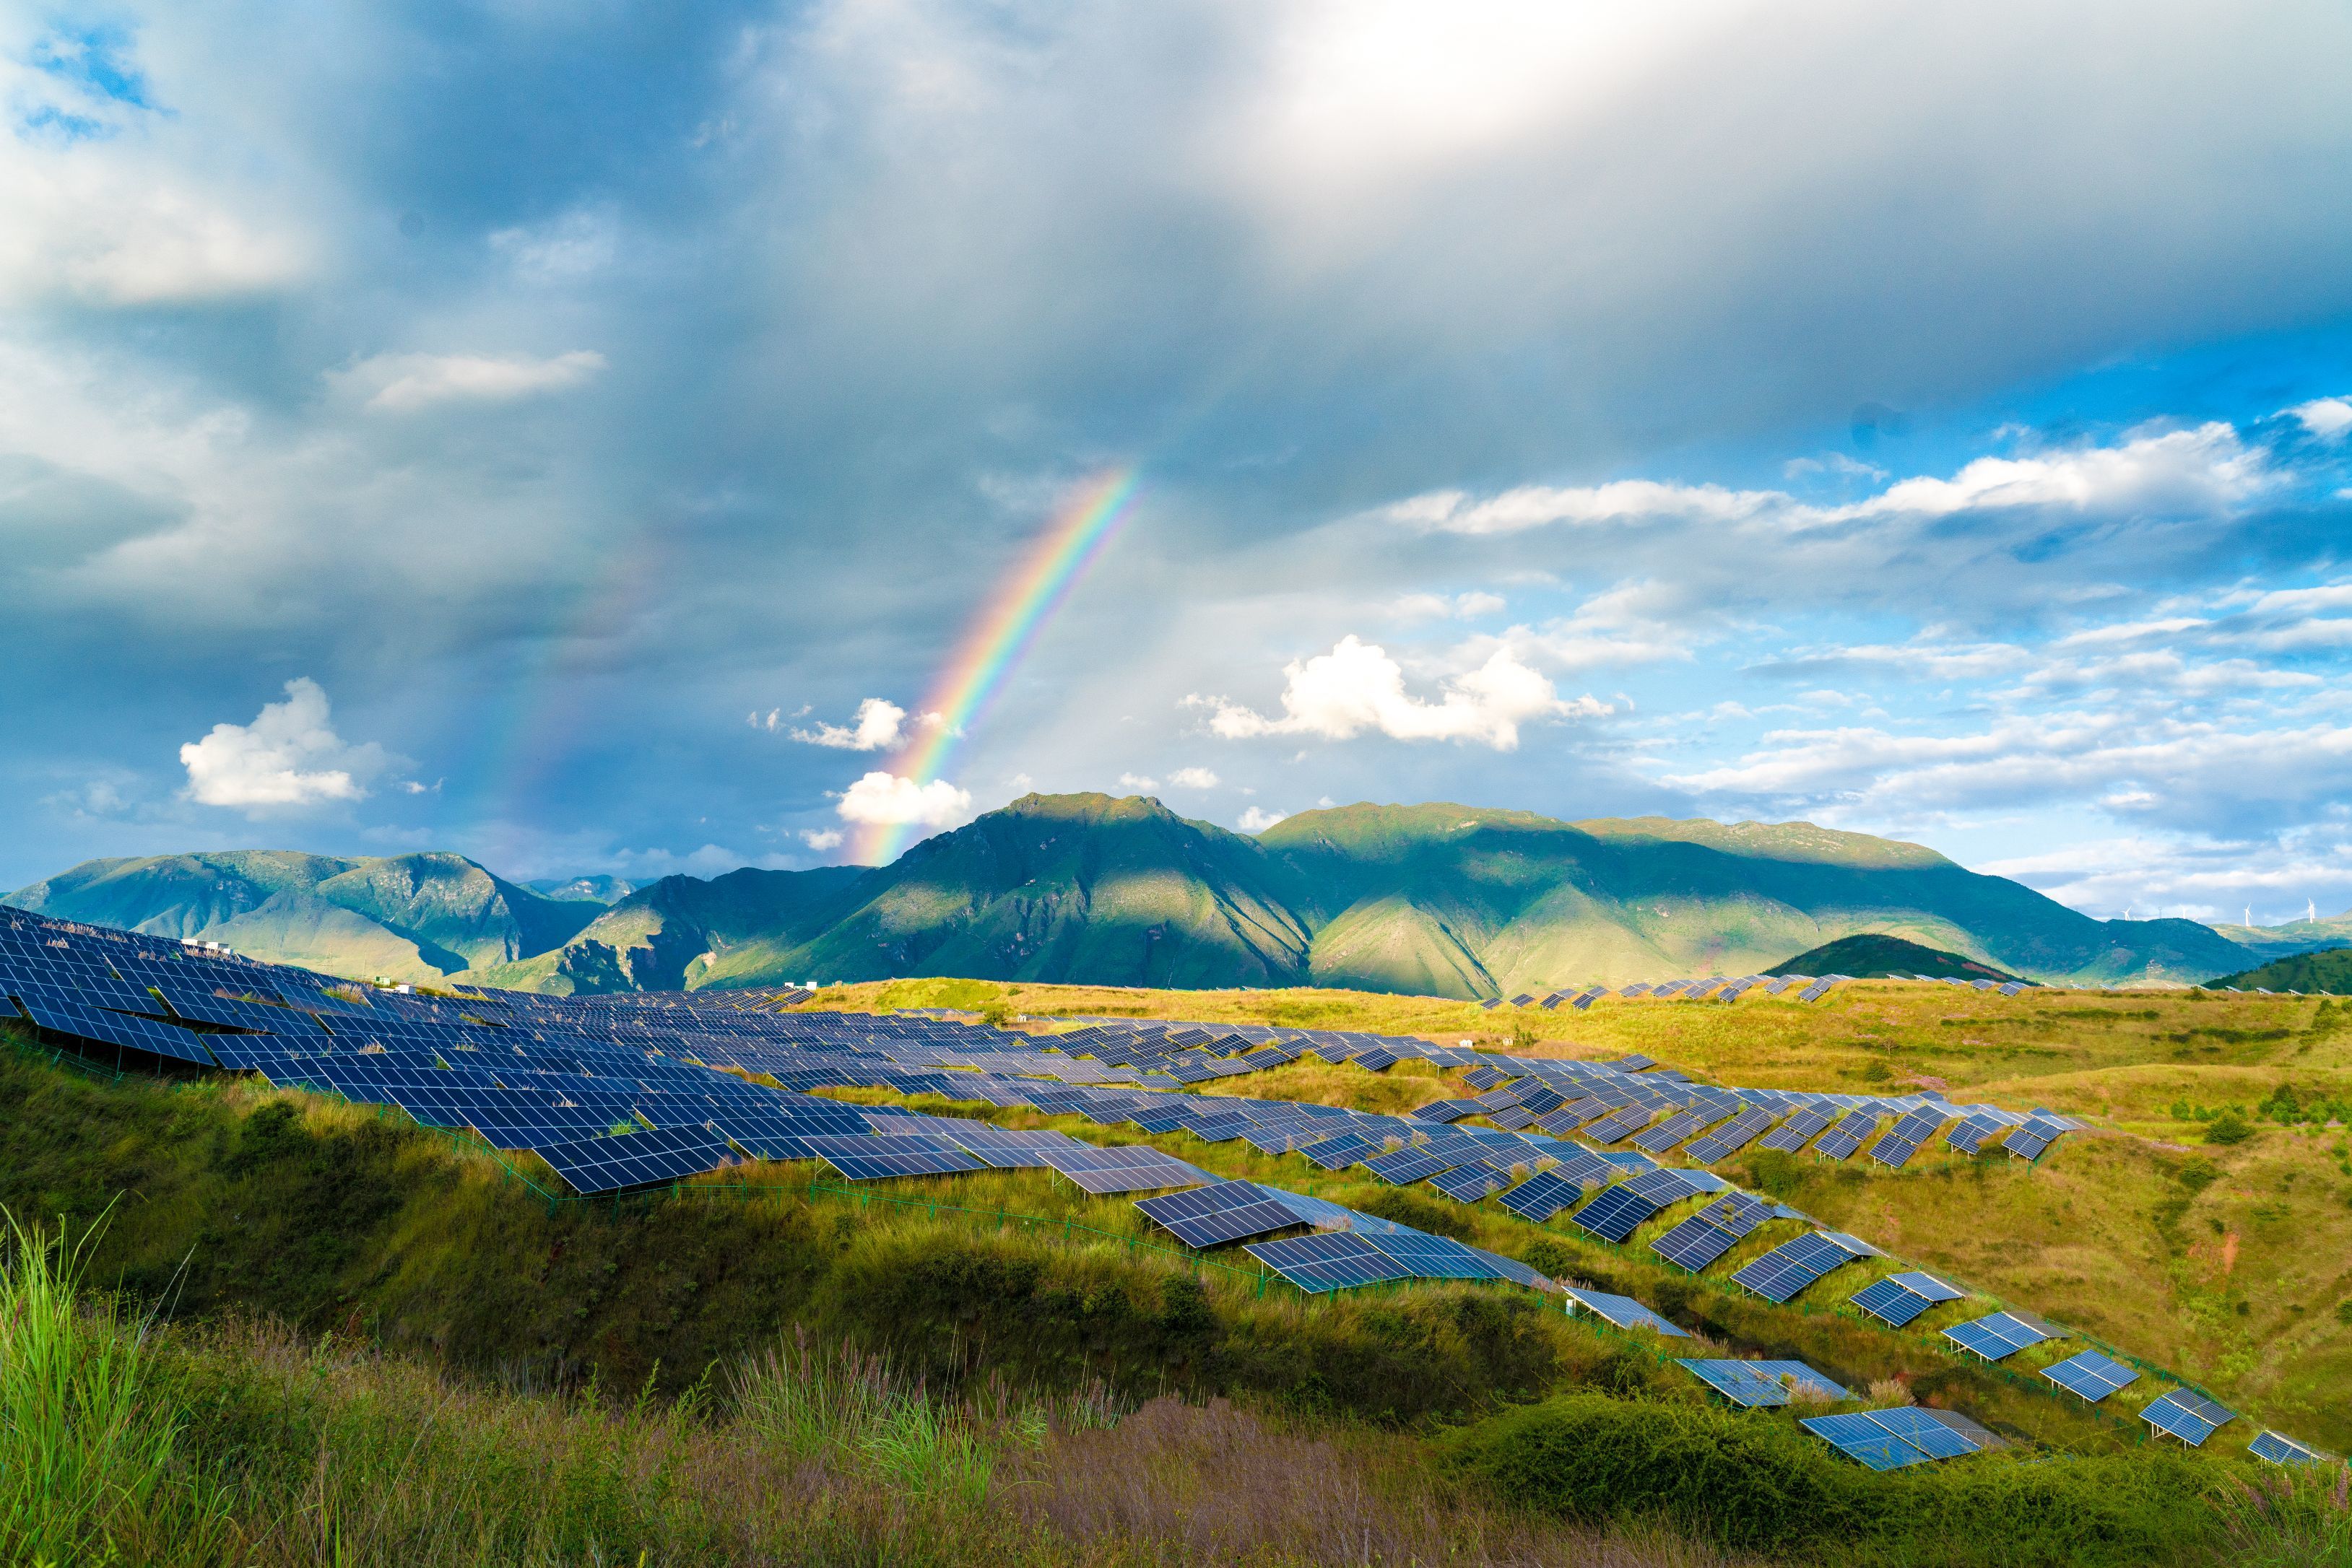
1024	599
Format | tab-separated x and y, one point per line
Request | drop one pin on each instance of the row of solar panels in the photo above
1720	988
901	1036
601	1162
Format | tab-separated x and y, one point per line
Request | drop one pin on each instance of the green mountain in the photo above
667	936
1433	899
2330	971
1867	957
406	917
1436	899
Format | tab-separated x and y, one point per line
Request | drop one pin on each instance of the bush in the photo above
2227	1128
1754	1481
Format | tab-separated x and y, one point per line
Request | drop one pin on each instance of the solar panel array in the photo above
638	1090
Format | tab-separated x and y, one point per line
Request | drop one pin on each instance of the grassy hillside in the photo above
2325	972
1885	958
2200	1224
404	918
2222	1259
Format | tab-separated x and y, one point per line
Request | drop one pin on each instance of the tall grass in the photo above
88	1456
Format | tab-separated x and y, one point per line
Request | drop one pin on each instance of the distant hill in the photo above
2330	971
406	917
1433	899
2264	943
1868	956
584	889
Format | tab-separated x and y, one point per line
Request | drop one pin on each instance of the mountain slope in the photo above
666	935
406	917
1124	891
1545	903
1868	958
2330	971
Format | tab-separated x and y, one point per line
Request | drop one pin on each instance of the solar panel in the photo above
1623	1312
1469	1183
1731	1138
2090	1374
1332	1153
1863	1441
1429	1257
1797	1130
1221	1212
1541	1196
1330	1261
1757	1383
1665	1134
1623	1209
2189	1415
1900	1298
1841	1141
1398	1168
1713	1231
2000	1335
1782	1273
2027	1143
2281	1449
637	1159
1934	1432
876	1159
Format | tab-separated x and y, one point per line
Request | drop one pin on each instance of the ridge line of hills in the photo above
1434	899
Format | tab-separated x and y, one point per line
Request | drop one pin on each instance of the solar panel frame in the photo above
1221	1212
1998	1335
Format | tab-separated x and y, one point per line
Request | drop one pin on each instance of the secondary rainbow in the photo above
1024	599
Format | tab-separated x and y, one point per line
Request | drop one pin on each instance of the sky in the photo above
600	438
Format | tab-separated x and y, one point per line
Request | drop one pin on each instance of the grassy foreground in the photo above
303	1333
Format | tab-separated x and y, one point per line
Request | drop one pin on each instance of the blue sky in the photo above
577	435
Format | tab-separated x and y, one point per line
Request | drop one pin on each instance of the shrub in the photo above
2227	1128
1755	1481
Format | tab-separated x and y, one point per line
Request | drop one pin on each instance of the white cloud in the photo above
880	723
2204	470
822	838
402	383
2195	776
2326	417
287	758
1193	779
886	797
1139	781
1356	686
1257	819
1467	606
575	246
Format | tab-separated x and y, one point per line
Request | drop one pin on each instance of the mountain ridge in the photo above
1436	899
